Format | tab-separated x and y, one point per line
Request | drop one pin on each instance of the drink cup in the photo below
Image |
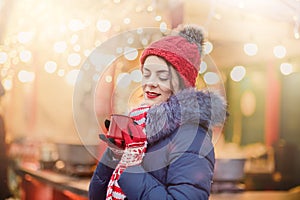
117	124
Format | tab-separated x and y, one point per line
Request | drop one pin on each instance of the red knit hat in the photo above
182	51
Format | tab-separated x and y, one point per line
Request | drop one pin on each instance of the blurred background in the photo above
252	55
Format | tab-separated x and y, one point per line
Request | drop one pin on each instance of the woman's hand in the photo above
133	134
135	145
117	146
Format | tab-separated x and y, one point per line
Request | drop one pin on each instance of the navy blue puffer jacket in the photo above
179	161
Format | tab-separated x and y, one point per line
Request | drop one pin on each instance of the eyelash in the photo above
160	78
163	79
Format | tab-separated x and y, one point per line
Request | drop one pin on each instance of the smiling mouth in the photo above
152	95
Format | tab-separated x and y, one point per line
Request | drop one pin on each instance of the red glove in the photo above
111	142
117	146
133	134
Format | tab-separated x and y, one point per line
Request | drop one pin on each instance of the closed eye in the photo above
163	76
146	73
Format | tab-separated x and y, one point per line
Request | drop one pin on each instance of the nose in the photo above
151	81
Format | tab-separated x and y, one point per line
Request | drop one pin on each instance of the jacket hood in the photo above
203	108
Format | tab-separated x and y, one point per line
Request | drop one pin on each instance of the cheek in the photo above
165	86
166	92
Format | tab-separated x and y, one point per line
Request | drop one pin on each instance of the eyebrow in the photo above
159	71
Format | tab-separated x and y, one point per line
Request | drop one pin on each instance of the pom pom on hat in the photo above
183	51
193	34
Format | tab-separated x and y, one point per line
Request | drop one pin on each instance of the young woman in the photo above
168	152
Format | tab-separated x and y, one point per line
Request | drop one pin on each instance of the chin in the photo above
156	101
150	102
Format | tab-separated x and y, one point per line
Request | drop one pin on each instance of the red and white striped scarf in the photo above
114	192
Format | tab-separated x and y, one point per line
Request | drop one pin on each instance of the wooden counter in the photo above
257	195
51	184
69	188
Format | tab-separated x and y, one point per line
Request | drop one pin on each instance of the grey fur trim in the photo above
203	108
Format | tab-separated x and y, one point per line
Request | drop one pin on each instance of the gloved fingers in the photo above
127	137
136	132
113	143
133	133
103	138
107	124
118	142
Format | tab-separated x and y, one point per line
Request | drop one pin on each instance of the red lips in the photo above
152	95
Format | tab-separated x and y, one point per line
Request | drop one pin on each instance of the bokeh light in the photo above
74	59
127	20
136	75
60	47
123	80
130	53
286	68
72	76
25	37
61	72
163	27
158	18
279	51
3	57
211	78
250	49
103	25
50	67
208	47
26	76
75	25
7	84
238	73
203	67
108	79
25	56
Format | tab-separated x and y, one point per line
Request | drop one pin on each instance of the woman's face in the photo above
157	80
